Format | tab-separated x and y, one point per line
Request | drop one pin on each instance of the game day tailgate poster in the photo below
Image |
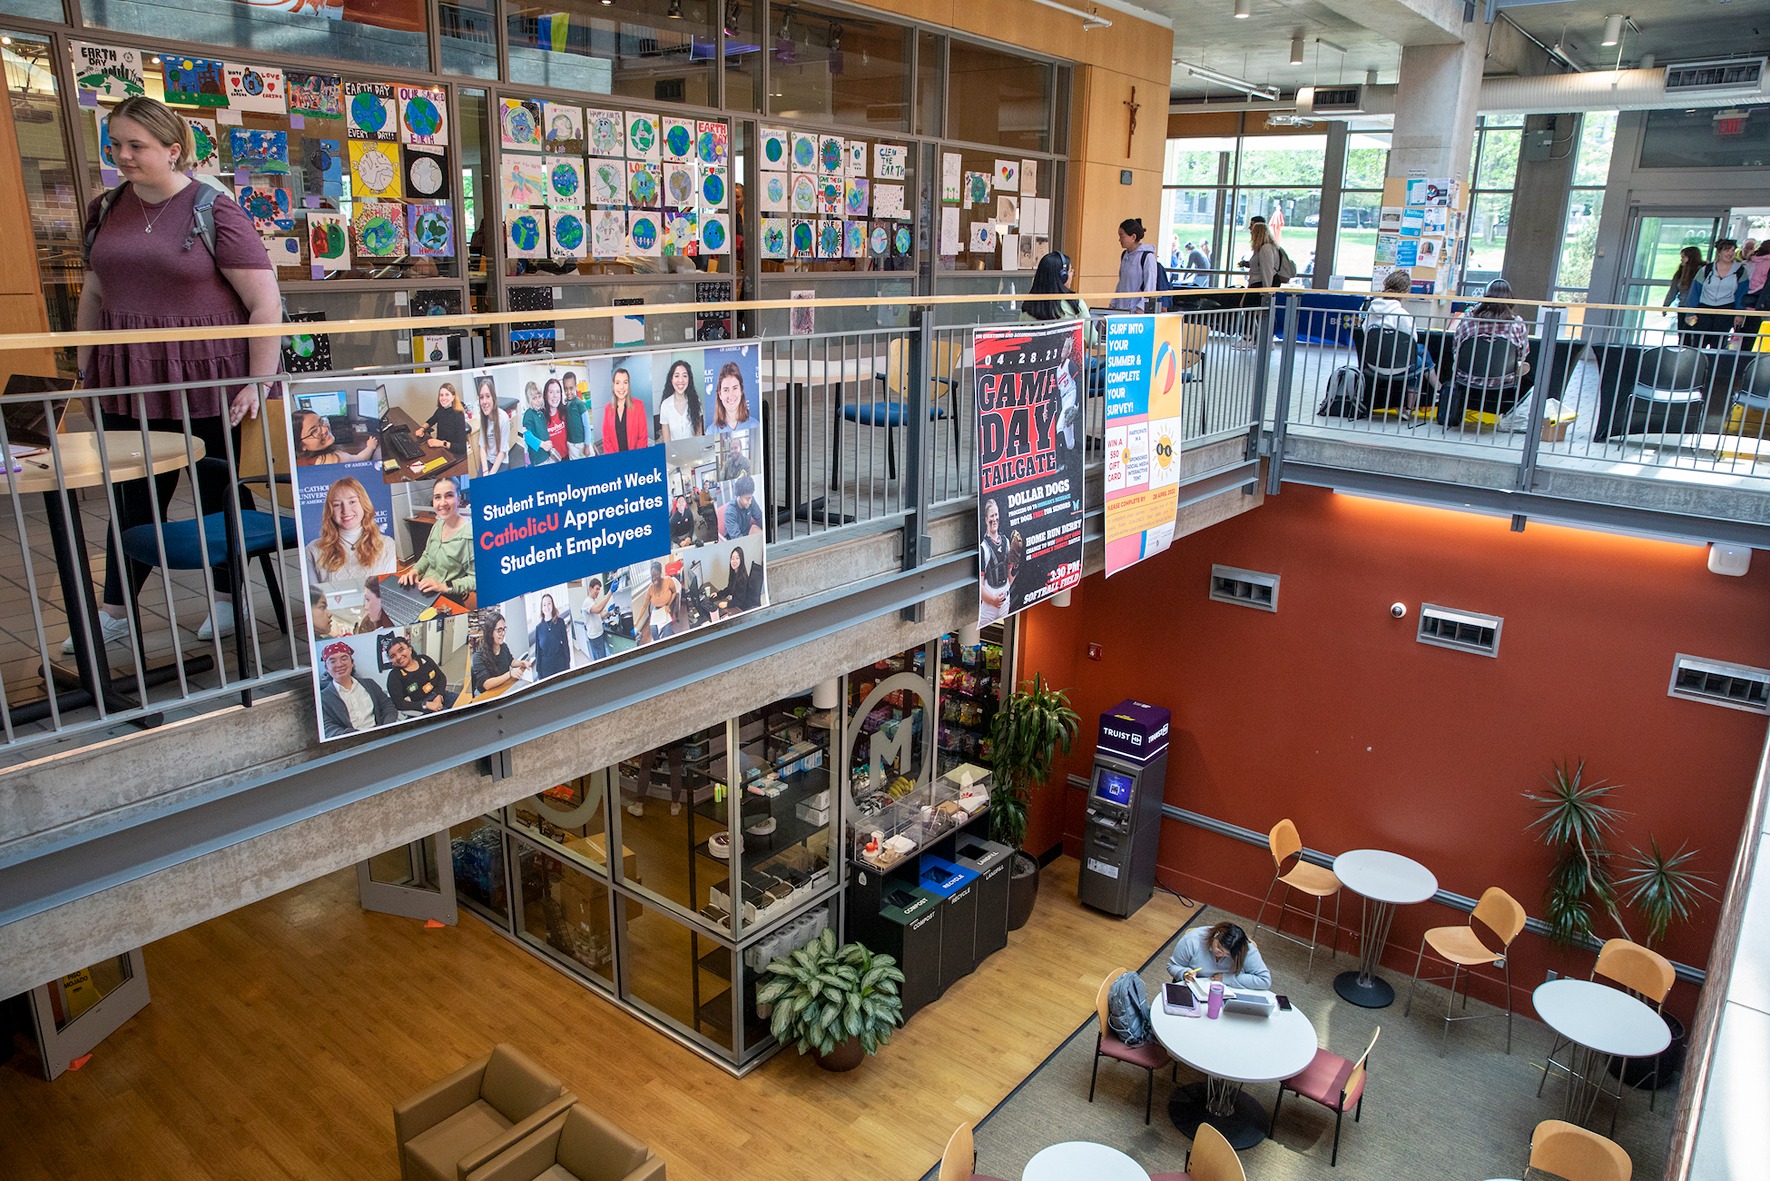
1029	454
468	533
1144	365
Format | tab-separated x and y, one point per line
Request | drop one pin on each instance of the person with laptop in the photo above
1223	952
165	252
446	565
494	665
416	684
315	443
349	704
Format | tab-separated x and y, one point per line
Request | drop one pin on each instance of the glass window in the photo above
1293	216
565	912
1190	218
1499	159
1367	160
654	50
930	59
468	33
893	735
970	691
1489	220
571	816
39	10
831	67
818	220
673	821
1707	138
997	98
987	200
1357	246
676	973
478	855
1579	244
57	221
385	32
743	55
1290	161
1597	136
1200	161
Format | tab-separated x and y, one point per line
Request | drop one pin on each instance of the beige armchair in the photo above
578	1145
456	1125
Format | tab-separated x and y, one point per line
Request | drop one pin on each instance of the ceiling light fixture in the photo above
1612	31
1297	49
1243	9
1251	89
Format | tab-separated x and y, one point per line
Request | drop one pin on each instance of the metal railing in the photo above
863	430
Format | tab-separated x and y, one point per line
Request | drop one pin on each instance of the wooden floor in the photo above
280	1035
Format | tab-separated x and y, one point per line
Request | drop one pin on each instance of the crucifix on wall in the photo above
1133	106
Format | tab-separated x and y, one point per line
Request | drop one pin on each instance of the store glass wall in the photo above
1585	206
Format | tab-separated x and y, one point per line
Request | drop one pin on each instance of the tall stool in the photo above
1314	880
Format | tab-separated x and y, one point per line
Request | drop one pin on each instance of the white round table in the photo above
1603	1023
1077	1159
1384	881
1234	1049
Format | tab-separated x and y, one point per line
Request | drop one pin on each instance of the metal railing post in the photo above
1281	408
1533	432
917	546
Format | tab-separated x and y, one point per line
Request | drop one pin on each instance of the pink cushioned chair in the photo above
960	1158
1150	1055
1334	1083
1212	1159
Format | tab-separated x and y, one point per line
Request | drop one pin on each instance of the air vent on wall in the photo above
1331	100
1731	76
1736	686
1463	630
1244	588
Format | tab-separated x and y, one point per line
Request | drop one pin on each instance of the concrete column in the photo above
1435	107
1539	203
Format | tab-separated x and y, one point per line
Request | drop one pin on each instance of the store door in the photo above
74	1014
1655	238
415	881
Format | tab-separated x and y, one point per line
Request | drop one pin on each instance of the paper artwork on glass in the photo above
804	152
525	233
519	125
562	128
565	182
315	96
1029	178
774	148
803	238
608	233
804	193
878	240
1008	175
832	191
712	141
643	186
644	236
369	112
1008	210
832	152
605	132
373	169
890	161
423	116
856	162
194	81
888	201
431	230
267	202
679	233
568	239
205	138
715	232
607	183
829	238
642	136
678	139
427	174
976	188
256	88
328	240
775	197
951	182
854	239
379	229
857	197
258	151
679	184
900	241
983	238
715	187
523	180
109	71
774	237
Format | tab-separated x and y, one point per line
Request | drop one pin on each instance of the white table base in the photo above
1222	1104
1364	987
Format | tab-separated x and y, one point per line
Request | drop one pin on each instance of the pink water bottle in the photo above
1214	1002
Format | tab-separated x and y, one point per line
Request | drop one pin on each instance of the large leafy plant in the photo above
824	994
1030	728
1590	880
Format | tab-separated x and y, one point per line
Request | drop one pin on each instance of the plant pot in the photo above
846	1056
1023	890
1638	1072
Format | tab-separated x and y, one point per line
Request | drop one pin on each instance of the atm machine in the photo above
1124	817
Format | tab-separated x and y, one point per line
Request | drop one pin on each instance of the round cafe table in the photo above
1233	1050
1384	881
1602	1023
1076	1159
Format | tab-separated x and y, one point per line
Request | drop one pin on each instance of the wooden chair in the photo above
1212	1159
1644	974
1149	1055
1463	947
1333	1082
960	1158
1569	1151
1304	877
891	410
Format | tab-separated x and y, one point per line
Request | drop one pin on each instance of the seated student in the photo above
1493	316
743	586
315	444
1385	311
743	515
494	665
681	522
1222	952
416	684
446	565
446	428
349	705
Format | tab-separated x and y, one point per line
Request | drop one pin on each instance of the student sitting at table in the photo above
348	704
446	565
416	684
1222	952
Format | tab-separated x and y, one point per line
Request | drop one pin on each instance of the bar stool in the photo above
1310	879
1463	948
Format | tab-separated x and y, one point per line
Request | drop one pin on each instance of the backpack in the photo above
1164	281
1286	269
1345	395
1127	1010
202	217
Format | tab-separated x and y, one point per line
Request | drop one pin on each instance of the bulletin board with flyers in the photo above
995	210
829	202
346	176
582	183
1421	229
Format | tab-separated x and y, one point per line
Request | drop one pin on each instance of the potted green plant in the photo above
1591	883
1031	727
838	1003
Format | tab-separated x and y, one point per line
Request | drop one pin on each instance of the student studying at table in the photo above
1223	952
446	565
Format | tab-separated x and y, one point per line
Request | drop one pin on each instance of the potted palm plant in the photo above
1031	727
1591	884
837	1003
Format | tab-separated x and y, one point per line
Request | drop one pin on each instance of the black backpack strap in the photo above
105	202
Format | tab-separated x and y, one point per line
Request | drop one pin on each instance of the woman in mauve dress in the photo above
148	269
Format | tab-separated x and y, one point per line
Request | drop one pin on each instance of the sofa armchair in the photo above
577	1146
454	1126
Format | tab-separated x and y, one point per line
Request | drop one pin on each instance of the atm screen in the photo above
1113	787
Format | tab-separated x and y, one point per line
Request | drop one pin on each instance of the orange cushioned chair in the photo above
1334	1083
1212	1159
1643	974
1569	1151
1463	948
1315	880
960	1158
1149	1055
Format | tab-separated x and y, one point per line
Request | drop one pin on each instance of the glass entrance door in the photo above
415	881
73	1014
1656	237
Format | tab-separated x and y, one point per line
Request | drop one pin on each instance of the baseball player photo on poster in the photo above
1029	454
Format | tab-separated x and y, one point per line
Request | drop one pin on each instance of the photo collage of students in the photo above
386	476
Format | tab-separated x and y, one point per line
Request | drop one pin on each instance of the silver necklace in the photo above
147	221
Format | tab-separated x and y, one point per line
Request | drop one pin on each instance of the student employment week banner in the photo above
1029	454
1145	362
468	533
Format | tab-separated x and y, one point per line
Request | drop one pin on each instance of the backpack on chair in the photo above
1127	1010
1345	395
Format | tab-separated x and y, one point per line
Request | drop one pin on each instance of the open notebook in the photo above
1237	1000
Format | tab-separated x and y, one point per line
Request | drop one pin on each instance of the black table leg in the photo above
1223	1105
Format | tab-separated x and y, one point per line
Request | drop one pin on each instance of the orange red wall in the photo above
1331	713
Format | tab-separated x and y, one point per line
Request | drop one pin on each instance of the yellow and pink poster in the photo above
1145	366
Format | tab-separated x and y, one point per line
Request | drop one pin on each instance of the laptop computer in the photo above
404	604
34	422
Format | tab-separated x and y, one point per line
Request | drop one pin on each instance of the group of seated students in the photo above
350	704
1493	316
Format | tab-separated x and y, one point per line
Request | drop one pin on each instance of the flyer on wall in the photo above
468	533
1030	449
1145	369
